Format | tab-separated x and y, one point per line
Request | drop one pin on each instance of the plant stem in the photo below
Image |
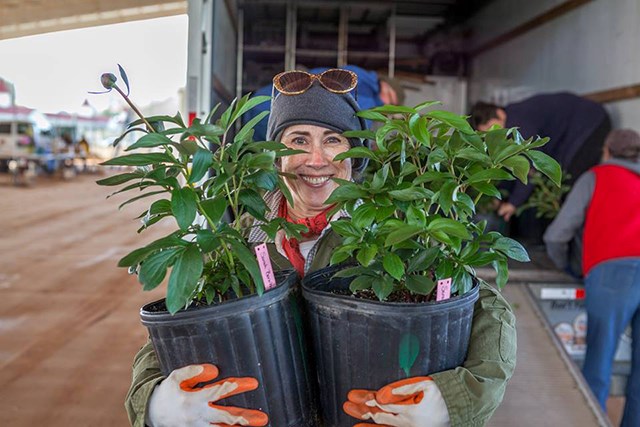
134	108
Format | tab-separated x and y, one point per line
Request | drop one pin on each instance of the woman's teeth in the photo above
316	180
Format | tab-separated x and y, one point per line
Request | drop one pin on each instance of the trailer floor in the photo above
542	391
69	323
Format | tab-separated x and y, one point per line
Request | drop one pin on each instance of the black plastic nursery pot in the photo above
254	336
363	344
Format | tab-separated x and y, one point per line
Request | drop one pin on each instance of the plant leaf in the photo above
419	284
202	161
150	140
214	208
262	160
207	240
248	105
547	165
451	119
139	159
426	104
360	283
253	203
184	206
154	268
488	189
248	259
372	115
411	193
512	249
357	153
450	227
125	79
393	265
136	256
267	180
382	287
502	271
120	179
346	192
423	259
184	278
519	165
493	174
246	129
402	233
366	255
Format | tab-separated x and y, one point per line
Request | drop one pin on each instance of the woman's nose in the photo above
317	157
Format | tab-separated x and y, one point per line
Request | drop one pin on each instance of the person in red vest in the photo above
605	203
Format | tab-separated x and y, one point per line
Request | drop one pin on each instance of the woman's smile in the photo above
315	181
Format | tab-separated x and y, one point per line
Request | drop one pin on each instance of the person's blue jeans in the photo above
612	302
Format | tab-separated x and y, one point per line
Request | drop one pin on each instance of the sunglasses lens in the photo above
339	80
293	81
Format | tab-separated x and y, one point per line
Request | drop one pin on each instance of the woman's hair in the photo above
482	112
623	144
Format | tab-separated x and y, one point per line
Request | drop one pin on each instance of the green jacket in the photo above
472	392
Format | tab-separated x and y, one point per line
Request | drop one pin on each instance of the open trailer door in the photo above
212	52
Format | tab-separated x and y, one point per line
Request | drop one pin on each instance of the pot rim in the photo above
283	288
348	301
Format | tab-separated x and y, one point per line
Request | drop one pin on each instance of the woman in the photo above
313	119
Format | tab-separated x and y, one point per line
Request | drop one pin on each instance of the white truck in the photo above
29	145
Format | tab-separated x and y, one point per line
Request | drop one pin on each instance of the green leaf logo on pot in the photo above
408	352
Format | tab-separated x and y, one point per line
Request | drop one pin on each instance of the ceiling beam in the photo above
30	17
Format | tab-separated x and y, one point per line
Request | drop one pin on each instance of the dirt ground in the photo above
69	324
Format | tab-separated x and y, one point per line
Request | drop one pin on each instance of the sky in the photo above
54	72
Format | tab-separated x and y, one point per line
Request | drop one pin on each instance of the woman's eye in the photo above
298	141
334	140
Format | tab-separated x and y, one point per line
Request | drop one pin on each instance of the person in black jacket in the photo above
577	128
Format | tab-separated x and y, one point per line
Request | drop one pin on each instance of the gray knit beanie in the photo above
320	107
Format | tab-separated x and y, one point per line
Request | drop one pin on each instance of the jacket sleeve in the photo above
473	391
569	220
146	375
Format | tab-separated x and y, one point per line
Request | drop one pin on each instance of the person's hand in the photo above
413	402
178	401
506	210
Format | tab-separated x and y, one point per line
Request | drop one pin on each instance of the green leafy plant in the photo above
197	186
412	223
546	197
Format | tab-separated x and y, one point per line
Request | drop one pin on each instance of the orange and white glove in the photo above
412	402
179	402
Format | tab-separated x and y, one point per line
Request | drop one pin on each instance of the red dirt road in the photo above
69	324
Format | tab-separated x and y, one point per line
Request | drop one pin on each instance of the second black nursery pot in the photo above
363	344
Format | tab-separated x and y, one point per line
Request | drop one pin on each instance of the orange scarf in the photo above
291	247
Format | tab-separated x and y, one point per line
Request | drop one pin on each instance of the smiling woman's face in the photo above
313	170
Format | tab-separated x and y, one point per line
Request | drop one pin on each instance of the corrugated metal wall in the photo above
592	48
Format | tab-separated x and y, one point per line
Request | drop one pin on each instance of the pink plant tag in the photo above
444	289
265	266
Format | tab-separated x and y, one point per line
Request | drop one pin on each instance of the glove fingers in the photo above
242	416
361	396
190	376
409	391
234	385
361	411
